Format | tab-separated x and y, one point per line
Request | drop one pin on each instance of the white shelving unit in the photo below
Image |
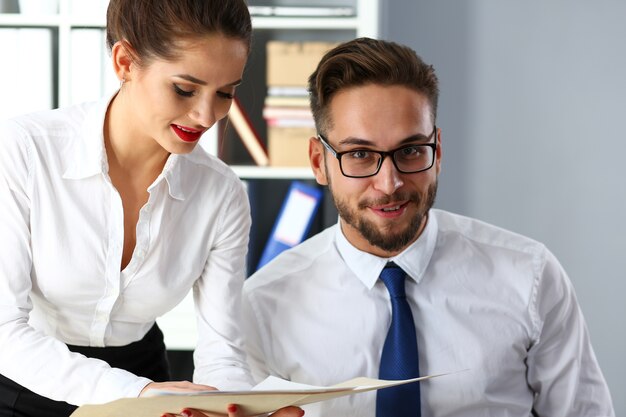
179	325
253	172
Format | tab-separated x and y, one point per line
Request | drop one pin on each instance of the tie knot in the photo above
393	277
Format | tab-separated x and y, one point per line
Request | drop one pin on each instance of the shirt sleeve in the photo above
219	358
39	362
562	367
257	359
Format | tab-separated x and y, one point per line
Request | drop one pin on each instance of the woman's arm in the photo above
219	357
28	356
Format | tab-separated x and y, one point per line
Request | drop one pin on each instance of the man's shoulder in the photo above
293	262
453	226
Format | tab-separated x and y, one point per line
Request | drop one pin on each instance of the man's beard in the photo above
378	237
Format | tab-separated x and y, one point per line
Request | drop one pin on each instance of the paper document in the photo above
271	394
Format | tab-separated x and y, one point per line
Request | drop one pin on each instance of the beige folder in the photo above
256	401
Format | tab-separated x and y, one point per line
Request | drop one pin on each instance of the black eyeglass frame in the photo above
383	155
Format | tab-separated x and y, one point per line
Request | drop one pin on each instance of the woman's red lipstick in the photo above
187	134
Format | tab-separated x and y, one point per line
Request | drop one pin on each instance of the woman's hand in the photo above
177	386
233	411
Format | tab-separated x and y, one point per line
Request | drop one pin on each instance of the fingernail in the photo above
186	413
232	408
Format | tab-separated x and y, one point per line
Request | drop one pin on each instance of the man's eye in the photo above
411	150
360	154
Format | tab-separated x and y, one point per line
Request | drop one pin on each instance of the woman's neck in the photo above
128	151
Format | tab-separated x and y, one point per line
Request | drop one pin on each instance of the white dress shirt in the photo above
490	303
62	233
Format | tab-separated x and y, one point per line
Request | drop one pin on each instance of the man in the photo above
492	304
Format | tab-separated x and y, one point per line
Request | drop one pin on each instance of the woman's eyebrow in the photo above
191	78
195	80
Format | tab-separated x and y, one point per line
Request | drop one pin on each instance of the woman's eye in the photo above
182	92
228	96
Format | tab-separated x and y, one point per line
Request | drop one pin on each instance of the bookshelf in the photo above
71	17
76	35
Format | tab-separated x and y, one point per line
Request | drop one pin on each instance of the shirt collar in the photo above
172	173
89	156
413	260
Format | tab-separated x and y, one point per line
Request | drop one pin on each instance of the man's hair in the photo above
366	61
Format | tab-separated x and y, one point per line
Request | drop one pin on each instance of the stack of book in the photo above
286	110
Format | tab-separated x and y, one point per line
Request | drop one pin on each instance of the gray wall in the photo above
532	109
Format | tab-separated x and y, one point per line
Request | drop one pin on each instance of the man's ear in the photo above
316	158
123	57
439	151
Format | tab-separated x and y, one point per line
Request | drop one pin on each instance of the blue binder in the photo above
293	221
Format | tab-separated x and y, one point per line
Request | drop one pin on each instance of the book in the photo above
289	146
293	221
272	112
287	101
247	133
291	63
287	90
291	122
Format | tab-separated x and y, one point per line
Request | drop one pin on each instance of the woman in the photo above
111	212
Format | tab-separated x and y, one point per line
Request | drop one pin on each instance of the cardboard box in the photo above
289	146
291	63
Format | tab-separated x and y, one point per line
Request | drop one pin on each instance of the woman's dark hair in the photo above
365	61
152	27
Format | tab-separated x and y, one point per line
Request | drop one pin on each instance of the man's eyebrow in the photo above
418	137
195	80
351	140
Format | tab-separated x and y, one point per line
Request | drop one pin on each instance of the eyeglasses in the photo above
362	163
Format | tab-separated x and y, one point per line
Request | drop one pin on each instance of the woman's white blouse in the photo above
61	239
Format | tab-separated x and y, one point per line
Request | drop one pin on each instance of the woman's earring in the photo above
122	81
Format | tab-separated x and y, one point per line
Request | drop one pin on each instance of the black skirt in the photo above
146	357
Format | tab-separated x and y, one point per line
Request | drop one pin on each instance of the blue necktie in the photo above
399	357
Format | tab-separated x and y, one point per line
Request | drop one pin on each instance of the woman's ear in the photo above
316	158
123	57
